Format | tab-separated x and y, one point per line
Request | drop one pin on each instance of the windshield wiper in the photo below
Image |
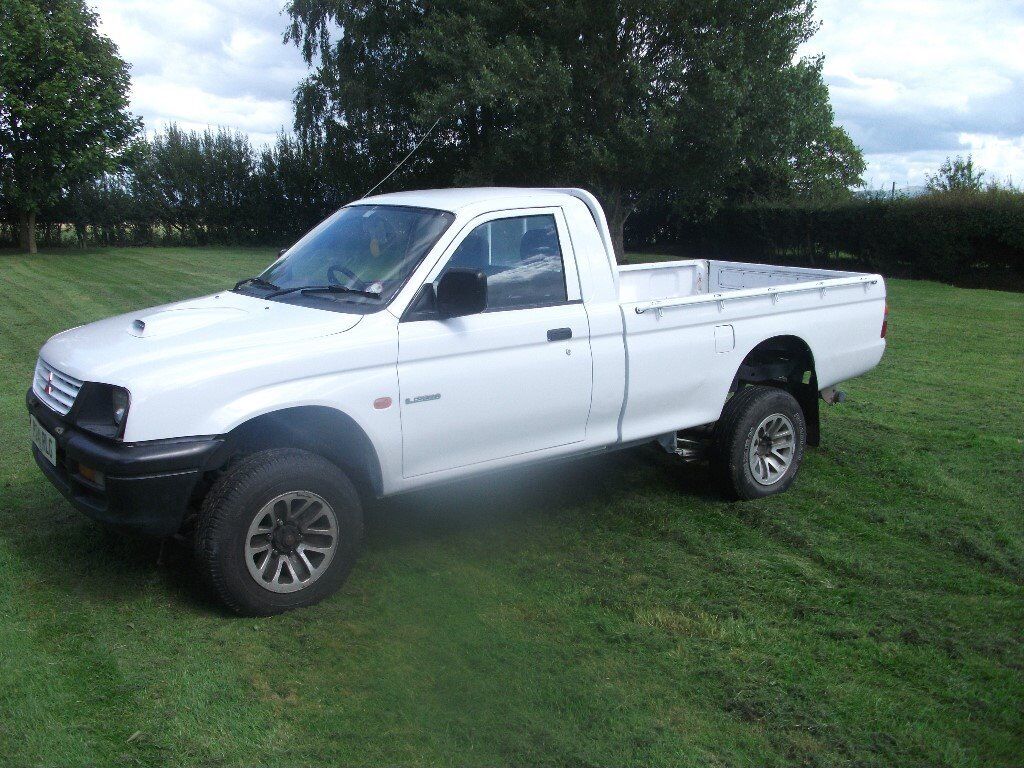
323	289
257	281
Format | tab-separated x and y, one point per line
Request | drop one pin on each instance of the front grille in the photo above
56	389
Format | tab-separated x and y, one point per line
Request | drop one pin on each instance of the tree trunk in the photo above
617	225
27	231
617	213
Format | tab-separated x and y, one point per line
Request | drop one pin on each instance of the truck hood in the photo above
189	332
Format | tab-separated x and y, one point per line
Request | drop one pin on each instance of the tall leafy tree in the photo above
957	176
63	104
691	101
795	149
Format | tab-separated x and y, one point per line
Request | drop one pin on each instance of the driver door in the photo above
514	379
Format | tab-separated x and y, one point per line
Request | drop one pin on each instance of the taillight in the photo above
885	320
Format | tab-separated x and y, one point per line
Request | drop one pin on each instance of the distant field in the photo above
608	612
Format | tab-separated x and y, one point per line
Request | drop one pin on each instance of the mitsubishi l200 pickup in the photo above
420	337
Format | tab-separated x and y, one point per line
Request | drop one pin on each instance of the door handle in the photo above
560	334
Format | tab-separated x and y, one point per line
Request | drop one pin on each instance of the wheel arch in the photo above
785	361
775	351
318	429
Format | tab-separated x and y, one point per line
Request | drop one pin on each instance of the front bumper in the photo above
147	486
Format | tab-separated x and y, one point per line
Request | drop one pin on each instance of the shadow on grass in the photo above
100	565
62	551
590	491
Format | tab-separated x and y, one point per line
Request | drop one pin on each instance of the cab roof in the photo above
461	198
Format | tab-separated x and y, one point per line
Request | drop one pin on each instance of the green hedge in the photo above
957	238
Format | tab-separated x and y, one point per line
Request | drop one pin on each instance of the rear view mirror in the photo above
461	292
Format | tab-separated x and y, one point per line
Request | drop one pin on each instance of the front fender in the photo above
348	372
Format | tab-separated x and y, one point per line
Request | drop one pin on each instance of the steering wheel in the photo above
334	269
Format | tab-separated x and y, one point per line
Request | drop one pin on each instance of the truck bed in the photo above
688	326
664	281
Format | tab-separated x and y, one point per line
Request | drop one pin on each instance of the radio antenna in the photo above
404	159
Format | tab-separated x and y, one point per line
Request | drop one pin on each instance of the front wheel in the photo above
759	442
279	530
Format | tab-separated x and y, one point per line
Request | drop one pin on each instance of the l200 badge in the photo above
422	399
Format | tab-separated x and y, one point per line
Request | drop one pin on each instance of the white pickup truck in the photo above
420	337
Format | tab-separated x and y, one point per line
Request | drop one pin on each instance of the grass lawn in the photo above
608	612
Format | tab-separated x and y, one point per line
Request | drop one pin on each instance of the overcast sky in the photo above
913	81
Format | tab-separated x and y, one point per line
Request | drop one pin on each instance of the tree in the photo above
957	175
687	100
201	183
797	150
298	183
63	105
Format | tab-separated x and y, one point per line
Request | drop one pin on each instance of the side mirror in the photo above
461	292
282	252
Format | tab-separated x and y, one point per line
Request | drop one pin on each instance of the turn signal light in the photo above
92	475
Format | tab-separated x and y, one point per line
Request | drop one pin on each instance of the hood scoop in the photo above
174	322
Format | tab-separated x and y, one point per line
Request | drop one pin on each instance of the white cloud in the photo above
1000	156
915	81
203	63
192	107
1001	159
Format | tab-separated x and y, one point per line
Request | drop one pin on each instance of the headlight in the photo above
102	409
120	399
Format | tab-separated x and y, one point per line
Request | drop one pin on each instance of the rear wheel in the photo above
759	442
279	530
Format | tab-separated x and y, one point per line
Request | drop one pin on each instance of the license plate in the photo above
44	441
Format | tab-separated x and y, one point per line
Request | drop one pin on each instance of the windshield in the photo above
370	249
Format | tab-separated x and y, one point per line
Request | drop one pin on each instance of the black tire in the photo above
236	500
737	430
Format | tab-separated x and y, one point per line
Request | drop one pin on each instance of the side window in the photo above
521	258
